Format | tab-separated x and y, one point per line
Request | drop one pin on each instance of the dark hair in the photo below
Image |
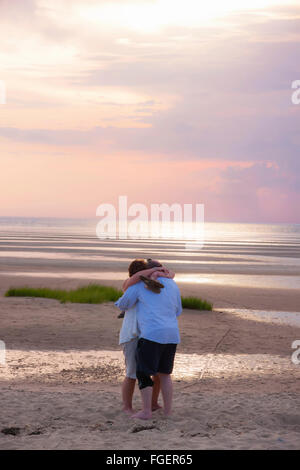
151	263
136	266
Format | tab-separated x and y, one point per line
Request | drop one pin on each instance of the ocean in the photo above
244	256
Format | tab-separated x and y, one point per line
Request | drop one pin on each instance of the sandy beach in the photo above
235	386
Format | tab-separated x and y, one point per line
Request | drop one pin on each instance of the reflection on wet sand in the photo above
236	280
289	318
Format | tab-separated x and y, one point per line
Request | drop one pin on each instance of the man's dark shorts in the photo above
151	358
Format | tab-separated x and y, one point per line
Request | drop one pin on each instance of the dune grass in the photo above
92	294
195	303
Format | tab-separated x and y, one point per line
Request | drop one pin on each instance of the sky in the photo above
162	101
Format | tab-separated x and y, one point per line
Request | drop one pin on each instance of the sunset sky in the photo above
162	101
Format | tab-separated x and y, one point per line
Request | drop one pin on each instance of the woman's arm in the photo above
170	273
136	277
165	273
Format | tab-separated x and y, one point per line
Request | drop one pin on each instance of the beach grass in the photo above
195	303
92	294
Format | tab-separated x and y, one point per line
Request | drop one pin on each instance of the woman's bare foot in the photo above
142	415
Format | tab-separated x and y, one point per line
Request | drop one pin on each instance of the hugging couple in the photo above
149	335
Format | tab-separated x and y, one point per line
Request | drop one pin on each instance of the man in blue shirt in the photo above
159	335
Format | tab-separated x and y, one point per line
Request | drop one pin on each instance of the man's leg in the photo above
166	386
146	412
155	393
147	359
127	394
165	370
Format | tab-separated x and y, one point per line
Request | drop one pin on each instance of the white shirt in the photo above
129	328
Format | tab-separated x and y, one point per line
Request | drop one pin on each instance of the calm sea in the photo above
244	255
238	232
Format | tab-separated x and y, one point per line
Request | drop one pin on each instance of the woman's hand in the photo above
136	277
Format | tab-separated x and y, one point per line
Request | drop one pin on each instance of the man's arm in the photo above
136	277
128	299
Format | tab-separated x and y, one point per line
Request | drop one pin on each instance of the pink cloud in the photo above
187	114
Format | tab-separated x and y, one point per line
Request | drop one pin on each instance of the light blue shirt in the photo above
156	313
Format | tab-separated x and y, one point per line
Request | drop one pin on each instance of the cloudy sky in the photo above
160	100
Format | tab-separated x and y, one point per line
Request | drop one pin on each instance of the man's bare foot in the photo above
156	407
142	415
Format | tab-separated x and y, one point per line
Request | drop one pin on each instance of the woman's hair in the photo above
136	266
152	263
